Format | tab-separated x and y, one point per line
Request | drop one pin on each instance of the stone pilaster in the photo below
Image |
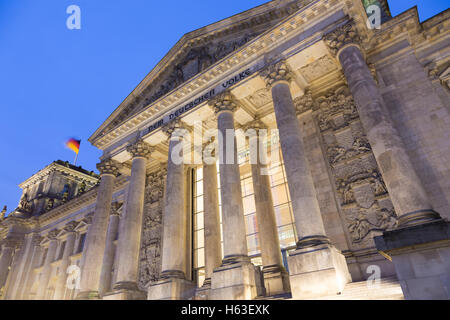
236	277
276	279
130	238
47	268
110	249
405	188
174	284
316	268
26	293
96	236
65	263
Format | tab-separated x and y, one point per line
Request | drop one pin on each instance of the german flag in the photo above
73	144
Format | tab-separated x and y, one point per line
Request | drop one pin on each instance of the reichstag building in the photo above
346	197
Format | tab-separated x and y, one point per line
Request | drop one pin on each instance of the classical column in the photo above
96	237
422	237
65	262
234	233
47	268
237	278
405	188
213	247
276	279
174	212
329	273
130	239
174	284
110	250
305	206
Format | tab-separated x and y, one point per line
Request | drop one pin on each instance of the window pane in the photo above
286	235
199	204
249	205
199	239
200	258
199	190
283	215
199	221
279	195
251	223
199	175
253	244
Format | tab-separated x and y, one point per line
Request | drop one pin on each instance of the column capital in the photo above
173	126
140	149
277	72
70	226
342	37
109	166
37	239
53	234
223	102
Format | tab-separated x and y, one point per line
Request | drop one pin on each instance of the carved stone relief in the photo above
362	193
150	255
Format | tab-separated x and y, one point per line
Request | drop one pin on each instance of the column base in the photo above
204	292
88	295
236	281
125	290
421	257
276	280
171	289
317	271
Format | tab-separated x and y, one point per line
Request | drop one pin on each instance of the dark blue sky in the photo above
57	83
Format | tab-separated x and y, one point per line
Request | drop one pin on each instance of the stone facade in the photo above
362	117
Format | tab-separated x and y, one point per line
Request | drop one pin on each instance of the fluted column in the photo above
405	188
305	206
47	268
234	234
68	251
96	236
275	276
110	249
130	238
213	247
175	217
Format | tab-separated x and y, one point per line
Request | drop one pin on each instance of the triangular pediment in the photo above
195	52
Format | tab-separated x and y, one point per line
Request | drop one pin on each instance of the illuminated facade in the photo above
356	185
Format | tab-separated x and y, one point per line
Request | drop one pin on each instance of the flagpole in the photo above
75	162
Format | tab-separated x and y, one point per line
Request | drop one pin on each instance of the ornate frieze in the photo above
223	102
155	183
53	234
109	166
341	37
318	68
140	149
275	72
116	208
260	98
70	226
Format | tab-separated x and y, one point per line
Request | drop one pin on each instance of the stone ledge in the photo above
413	236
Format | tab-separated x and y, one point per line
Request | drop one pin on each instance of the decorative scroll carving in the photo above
342	36
223	102
275	72
109	166
140	149
318	68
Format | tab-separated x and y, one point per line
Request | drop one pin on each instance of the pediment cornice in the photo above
227	33
246	55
